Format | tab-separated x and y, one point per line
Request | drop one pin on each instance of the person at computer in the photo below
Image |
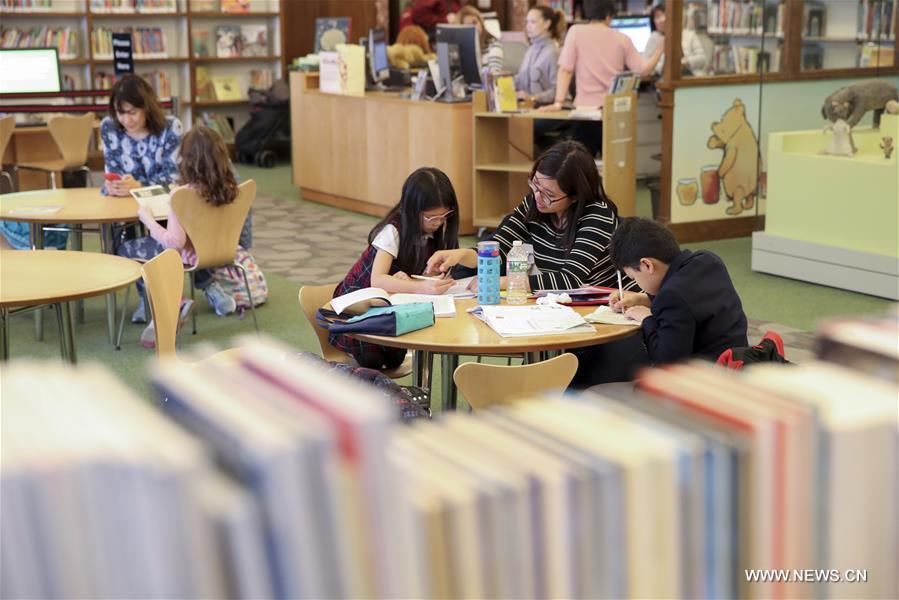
595	53
491	49
536	78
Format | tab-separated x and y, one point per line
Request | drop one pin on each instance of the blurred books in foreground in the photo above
294	482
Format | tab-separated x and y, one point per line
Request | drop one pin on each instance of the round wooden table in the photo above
466	334
36	277
77	206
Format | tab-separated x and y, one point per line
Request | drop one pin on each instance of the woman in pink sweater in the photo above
206	167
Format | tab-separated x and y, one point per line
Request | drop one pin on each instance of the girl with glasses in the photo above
566	217
426	220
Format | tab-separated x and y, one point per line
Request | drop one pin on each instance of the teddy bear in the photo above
887	147
739	167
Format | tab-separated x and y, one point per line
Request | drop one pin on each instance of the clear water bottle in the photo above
517	274
488	273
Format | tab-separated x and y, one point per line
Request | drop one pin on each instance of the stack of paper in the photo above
607	316
518	321
361	300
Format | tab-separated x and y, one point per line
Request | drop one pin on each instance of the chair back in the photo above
313	297
73	137
214	231
484	385
7	126
164	278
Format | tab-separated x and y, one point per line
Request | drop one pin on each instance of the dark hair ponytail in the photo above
558	24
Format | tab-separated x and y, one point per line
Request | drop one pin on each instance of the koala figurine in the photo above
870	94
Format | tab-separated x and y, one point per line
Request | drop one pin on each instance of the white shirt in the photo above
388	240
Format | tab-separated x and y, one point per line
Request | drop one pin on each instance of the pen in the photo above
620	288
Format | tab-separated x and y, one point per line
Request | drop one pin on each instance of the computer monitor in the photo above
458	50
29	70
377	55
637	28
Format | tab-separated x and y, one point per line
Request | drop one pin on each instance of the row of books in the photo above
159	80
65	39
26	5
286	480
740	17
744	60
226	6
147	42
876	19
131	6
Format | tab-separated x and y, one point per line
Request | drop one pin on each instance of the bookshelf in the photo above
165	31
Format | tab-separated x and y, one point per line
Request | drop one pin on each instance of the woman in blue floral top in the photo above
140	144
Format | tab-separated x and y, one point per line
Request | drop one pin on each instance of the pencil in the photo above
620	288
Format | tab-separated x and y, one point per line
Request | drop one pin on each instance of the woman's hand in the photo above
436	286
618	304
123	186
444	260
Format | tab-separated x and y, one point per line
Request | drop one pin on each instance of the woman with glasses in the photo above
425	220
566	217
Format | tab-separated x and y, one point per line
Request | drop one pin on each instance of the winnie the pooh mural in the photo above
739	168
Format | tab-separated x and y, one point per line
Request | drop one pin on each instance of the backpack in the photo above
231	280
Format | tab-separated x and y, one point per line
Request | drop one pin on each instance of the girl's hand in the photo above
638	313
554	107
402	276
442	261
436	286
630	299
144	214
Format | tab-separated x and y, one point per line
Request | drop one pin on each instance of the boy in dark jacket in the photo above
689	307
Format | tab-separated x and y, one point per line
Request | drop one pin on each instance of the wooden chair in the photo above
7	125
484	385
164	280
72	136
214	232
313	297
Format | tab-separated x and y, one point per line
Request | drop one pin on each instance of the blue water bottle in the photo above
488	273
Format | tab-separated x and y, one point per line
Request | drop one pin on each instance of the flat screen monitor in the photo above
636	28
458	51
377	54
29	70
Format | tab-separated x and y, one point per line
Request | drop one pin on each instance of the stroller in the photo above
267	133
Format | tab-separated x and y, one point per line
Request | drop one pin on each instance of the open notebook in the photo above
444	306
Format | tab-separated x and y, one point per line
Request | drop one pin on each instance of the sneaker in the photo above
140	313
186	306
219	300
148	336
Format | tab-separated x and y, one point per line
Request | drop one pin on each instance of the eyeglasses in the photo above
439	218
545	199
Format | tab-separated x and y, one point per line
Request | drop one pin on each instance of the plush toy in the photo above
404	56
887	147
739	168
870	94
892	107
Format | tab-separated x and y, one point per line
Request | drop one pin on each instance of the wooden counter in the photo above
355	153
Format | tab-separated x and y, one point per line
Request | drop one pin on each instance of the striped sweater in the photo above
588	263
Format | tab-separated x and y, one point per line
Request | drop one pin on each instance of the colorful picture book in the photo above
227	88
205	90
201	43
235	6
228	41
331	31
255	40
